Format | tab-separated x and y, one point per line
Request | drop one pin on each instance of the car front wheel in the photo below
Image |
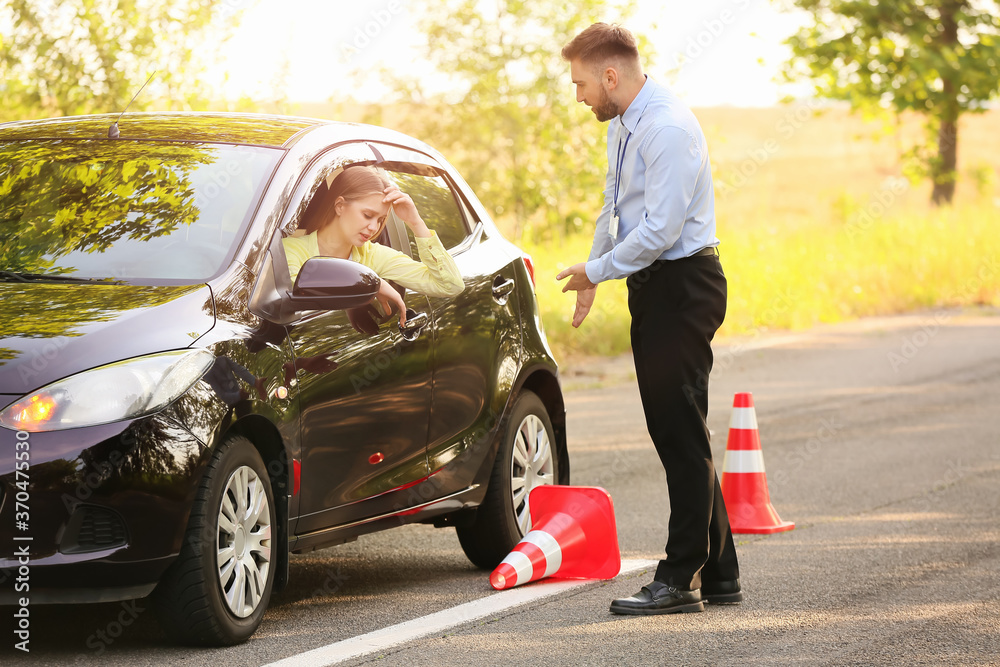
217	590
527	457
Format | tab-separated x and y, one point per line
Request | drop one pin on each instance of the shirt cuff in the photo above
593	271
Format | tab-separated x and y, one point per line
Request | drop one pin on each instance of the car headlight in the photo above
123	390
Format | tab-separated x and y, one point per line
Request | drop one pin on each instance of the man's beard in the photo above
605	109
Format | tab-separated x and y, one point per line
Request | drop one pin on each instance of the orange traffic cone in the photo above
744	482
573	536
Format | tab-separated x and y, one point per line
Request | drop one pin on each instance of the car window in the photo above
126	210
436	204
317	182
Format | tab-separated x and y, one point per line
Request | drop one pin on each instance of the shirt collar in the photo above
631	116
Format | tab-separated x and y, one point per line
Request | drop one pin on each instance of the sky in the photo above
712	52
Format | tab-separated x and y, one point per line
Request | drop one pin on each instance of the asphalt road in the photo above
881	442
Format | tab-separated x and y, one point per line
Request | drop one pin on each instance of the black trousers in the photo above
676	307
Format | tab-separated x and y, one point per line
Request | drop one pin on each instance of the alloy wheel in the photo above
244	546
531	465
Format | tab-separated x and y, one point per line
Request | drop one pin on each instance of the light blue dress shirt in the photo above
666	202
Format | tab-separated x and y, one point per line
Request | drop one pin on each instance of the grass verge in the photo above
795	274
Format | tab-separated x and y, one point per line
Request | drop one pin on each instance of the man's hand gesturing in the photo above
585	290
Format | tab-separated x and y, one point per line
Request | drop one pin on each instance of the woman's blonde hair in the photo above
351	184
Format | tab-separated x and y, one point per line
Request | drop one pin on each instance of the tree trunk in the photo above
943	170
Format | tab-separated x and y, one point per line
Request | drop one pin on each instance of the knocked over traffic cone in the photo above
744	482
573	536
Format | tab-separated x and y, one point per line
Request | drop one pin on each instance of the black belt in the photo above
711	250
704	252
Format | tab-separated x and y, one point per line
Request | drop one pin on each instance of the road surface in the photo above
881	443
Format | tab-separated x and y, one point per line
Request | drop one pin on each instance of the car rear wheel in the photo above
527	458
216	592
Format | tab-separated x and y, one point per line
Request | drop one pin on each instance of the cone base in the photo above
763	530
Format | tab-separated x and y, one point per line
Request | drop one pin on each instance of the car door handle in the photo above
415	323
501	290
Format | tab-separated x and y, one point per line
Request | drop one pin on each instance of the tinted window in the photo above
320	179
436	204
123	209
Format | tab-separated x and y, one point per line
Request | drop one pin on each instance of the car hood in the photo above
52	330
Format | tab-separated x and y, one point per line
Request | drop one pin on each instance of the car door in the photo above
476	334
363	391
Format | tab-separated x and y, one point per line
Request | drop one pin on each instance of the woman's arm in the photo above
404	208
388	297
436	274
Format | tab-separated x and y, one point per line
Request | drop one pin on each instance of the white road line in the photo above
380	640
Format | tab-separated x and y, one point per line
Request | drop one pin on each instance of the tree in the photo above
940	58
509	120
84	56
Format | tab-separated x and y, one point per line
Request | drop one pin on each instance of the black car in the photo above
177	415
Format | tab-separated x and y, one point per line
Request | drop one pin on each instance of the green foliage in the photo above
510	121
56	202
937	57
85	56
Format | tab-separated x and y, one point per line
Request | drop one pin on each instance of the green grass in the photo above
795	273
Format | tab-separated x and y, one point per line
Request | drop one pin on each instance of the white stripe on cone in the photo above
521	564
549	547
743	460
744	418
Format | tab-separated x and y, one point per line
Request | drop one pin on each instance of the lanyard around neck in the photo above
619	163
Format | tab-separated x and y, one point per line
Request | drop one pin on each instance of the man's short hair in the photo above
603	43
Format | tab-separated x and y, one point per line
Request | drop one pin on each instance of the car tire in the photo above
527	457
199	601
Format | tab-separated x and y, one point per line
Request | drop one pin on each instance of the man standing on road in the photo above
657	229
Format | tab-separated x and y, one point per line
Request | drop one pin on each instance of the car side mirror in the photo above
328	283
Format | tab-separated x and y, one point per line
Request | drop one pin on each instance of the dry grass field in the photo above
819	156
817	225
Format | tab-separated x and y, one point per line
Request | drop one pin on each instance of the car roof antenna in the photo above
113	132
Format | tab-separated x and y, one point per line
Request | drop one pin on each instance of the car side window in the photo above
437	205
316	185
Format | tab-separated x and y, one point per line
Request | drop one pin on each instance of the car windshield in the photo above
124	210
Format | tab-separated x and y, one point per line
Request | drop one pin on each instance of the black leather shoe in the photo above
659	598
722	592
